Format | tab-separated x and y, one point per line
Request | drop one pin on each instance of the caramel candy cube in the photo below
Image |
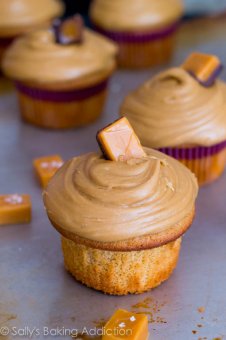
119	142
69	31
46	167
203	67
15	209
126	325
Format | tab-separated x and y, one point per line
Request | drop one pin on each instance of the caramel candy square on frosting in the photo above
204	68
126	325
15	209
69	31
46	167
119	142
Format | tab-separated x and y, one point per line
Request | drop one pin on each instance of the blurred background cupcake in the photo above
61	75
175	113
144	30
192	7
20	16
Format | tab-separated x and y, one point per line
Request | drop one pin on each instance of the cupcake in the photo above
61	82
119	235
183	116
144	30
20	16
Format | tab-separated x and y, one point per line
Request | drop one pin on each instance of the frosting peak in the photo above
144	14
108	201
37	57
173	109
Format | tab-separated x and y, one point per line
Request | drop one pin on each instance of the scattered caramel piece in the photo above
15	209
126	325
119	142
69	31
203	67
46	167
201	309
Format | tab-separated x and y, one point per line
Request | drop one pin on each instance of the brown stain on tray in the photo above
151	308
100	323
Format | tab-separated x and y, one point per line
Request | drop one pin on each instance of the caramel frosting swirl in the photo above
37	57
173	110
26	12
107	201
142	14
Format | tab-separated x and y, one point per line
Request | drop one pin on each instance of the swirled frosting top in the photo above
37	57
26	12
142	14
106	201
173	109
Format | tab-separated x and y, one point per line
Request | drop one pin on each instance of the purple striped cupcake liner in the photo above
137	37
61	96
198	152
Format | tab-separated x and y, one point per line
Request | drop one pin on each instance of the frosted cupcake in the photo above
144	30
120	235
178	115
20	16
60	83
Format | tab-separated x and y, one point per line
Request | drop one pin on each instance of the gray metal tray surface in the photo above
35	289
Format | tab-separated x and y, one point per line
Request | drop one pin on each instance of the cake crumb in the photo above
194	332
163	162
170	185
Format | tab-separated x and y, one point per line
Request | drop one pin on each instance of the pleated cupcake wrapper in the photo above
194	153
61	96
138	37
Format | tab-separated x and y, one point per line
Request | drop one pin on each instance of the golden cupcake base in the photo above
207	169
63	105
131	266
142	48
118	272
55	115
147	54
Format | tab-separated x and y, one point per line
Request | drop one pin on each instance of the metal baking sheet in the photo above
36	291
